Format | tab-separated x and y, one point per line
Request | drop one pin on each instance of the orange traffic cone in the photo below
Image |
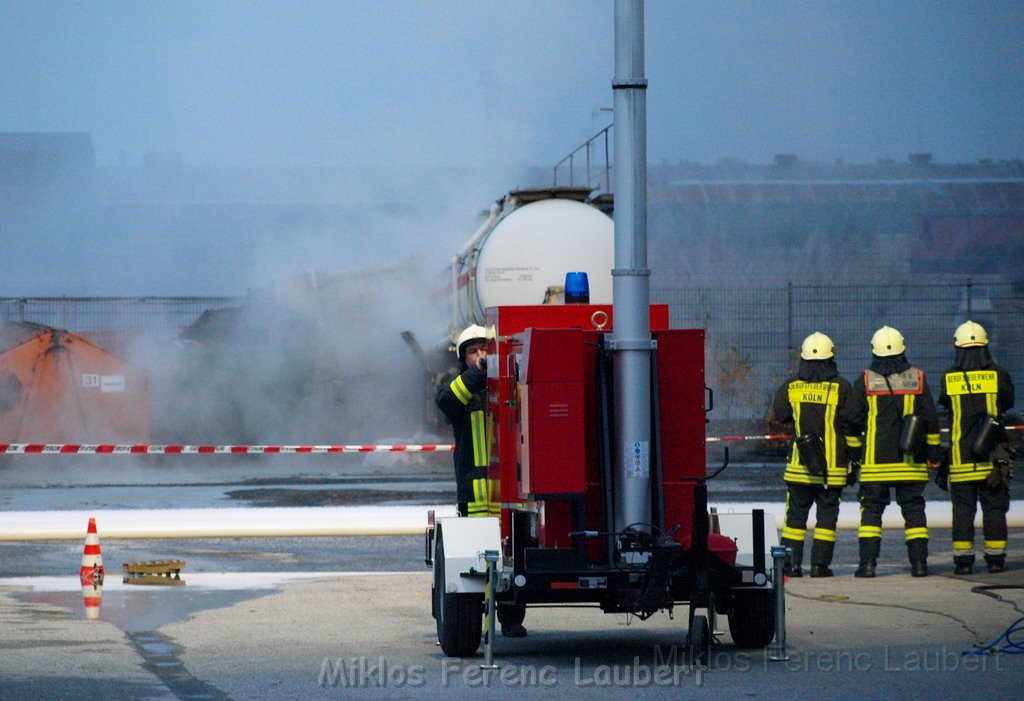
91	573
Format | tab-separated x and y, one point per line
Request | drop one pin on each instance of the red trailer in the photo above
551	417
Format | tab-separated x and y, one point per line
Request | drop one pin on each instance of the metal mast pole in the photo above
631	339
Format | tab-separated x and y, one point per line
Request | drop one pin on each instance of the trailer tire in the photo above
752	618
699	641
459	616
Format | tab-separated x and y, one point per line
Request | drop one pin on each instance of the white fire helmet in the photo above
817	346
887	341
474	332
970	334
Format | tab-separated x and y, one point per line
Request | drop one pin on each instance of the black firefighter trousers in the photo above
874	497
995	502
799	499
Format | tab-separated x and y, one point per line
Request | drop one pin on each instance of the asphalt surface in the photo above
241	628
371	636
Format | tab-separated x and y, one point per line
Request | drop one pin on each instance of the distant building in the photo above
806	223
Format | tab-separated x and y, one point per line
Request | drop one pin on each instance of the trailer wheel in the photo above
699	641
459	616
752	619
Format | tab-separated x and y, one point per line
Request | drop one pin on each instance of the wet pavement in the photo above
311	599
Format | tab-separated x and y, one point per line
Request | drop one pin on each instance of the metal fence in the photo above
150	314
754	334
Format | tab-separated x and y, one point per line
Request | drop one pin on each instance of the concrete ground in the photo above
371	635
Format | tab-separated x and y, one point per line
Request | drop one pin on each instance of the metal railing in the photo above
753	334
110	313
593	175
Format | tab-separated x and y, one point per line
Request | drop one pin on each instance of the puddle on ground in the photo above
139	611
139	608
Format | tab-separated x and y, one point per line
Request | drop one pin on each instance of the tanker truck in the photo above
521	253
551	416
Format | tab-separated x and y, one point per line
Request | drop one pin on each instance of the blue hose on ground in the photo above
1010	646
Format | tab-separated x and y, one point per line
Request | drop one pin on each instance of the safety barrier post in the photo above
777	651
491	556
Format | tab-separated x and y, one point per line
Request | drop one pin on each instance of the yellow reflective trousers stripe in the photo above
869	532
915	533
825	535
794	533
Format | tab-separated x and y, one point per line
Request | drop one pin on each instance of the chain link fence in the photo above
754	334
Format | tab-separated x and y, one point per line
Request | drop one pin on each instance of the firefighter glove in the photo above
852	472
1002	466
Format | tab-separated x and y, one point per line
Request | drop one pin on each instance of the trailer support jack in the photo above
777	651
491	556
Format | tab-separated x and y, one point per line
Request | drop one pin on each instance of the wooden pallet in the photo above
163	568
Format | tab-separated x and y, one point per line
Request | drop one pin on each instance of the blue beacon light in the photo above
577	288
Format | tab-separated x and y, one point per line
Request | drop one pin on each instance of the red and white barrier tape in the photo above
767	437
146	449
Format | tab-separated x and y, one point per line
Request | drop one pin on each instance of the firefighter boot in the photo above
964	564
794	566
865	569
821	557
996	563
917	553
869	549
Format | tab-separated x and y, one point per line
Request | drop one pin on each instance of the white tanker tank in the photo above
521	253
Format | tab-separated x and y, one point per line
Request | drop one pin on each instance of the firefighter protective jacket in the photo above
815	407
971	396
464	404
877	408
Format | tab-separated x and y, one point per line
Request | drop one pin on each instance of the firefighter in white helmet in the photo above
894	434
976	391
809	405
464	403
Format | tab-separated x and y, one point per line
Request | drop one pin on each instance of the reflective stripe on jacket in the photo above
814	407
971	396
463	401
878	406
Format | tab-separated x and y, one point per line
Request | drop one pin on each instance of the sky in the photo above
245	95
470	81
